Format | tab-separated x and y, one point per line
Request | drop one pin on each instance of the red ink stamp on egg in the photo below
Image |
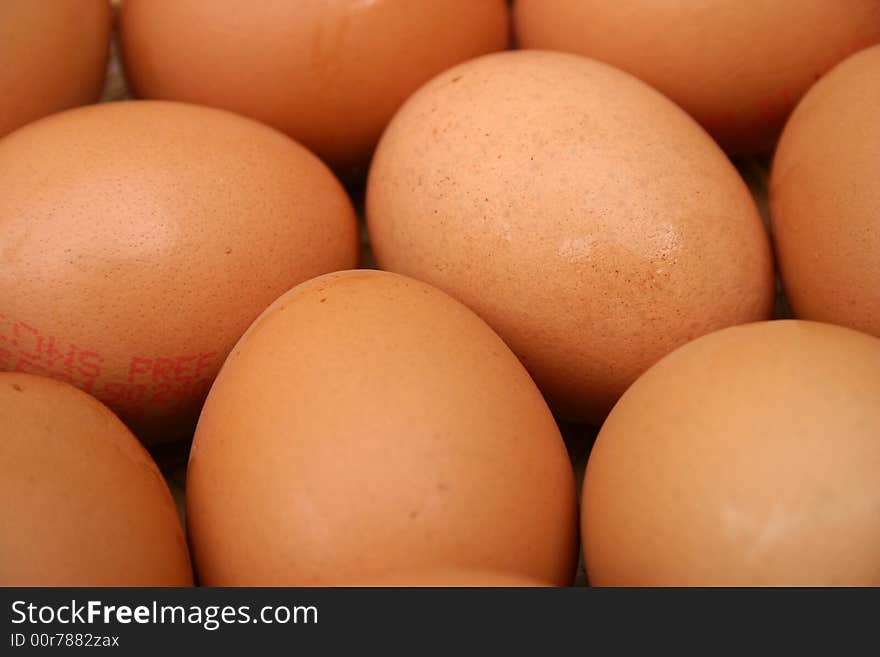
165	380
149	379
30	350
27	340
4	327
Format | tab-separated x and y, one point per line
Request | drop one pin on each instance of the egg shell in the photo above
366	425
584	216
748	457
83	502
825	198
138	240
53	56
738	70
330	74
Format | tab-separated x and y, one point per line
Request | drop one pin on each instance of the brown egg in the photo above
138	241
825	198
329	74
585	217
738	70
366	425
451	578
747	457
53	56
83	502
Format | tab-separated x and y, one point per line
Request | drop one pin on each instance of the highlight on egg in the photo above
584	216
367	426
139	239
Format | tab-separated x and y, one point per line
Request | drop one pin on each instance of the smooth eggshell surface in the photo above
138	240
586	218
53	56
747	457
825	198
328	73
368	425
83	502
738	69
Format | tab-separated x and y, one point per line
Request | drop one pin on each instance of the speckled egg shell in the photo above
584	216
138	240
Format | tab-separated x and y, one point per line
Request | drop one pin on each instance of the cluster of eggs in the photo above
559	235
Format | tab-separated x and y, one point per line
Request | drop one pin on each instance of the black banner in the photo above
413	621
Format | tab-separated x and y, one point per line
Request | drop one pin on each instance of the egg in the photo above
329	74
83	502
746	457
138	240
825	198
53	56
738	70
368	426
584	216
